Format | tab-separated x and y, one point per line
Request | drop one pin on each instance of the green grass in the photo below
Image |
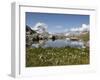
56	56
84	37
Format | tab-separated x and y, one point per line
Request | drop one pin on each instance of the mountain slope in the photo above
28	29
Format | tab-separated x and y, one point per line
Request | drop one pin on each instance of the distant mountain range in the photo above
41	29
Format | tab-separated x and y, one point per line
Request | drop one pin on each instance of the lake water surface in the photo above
57	43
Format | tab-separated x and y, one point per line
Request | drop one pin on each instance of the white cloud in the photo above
84	27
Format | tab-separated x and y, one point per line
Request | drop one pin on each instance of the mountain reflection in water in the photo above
58	43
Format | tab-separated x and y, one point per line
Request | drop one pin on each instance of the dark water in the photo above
57	43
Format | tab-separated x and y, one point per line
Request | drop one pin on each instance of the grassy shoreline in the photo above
36	57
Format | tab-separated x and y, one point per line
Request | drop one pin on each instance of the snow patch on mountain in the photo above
40	27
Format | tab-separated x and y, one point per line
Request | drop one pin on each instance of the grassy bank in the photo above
56	56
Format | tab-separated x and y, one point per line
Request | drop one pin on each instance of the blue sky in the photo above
57	22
